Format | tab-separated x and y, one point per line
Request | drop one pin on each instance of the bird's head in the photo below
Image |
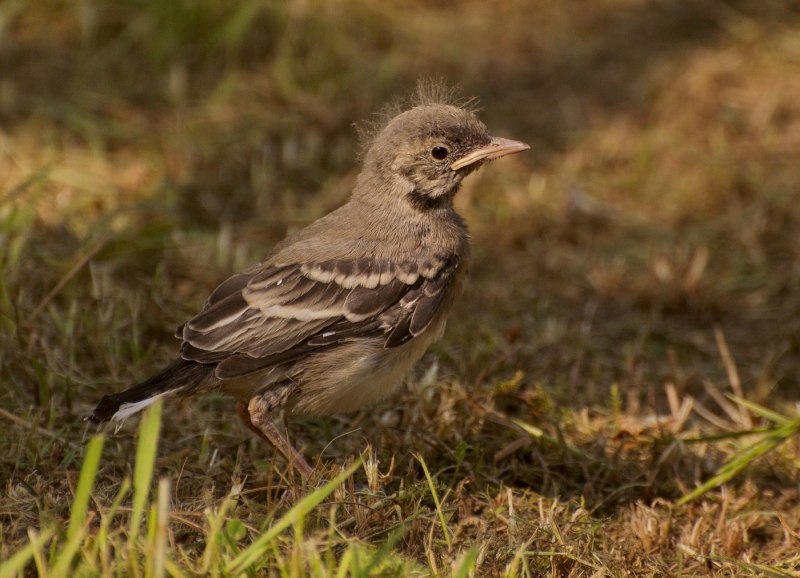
426	151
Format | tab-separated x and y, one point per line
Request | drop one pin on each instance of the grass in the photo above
107	551
616	394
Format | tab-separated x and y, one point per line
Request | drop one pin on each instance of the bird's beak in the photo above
498	147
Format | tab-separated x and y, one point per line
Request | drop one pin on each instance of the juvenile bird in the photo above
339	312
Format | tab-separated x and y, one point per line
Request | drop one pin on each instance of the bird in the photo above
338	312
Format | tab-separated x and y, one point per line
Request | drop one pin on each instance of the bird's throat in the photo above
425	202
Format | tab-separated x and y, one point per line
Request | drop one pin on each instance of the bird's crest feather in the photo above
427	92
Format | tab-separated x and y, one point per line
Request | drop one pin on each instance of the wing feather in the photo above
363	302
276	314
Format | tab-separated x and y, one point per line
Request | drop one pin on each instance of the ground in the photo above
630	330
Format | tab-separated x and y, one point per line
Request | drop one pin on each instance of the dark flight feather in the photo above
179	376
282	314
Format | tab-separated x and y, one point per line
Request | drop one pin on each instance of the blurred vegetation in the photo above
632	321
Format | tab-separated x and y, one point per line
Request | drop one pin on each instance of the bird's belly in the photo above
356	374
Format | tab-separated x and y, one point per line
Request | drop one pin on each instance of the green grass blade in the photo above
61	567
467	564
80	504
383	555
345	563
432	488
101	540
762	411
216	523
768	442
17	562
256	550
174	570
146	450
158	546
732	467
38	550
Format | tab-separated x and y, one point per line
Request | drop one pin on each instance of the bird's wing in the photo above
279	313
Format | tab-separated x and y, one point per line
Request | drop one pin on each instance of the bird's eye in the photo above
439	152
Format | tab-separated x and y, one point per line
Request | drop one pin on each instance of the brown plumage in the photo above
340	311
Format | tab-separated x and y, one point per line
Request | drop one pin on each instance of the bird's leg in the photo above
257	416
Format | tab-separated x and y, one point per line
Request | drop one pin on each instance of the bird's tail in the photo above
179	377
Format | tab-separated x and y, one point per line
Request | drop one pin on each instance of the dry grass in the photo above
636	287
